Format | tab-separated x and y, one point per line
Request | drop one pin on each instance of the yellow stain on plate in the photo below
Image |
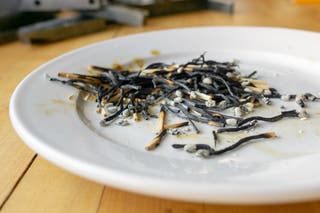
50	111
188	136
134	65
193	138
155	52
231	137
274	153
139	62
93	72
56	106
117	66
62	102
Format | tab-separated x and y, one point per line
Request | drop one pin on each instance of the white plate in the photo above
285	169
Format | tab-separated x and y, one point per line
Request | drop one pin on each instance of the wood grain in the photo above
38	186
47	188
15	156
18	60
118	201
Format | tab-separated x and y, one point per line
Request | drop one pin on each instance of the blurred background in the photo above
29	30
42	21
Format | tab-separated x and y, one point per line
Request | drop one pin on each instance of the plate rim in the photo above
116	178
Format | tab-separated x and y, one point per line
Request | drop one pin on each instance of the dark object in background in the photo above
170	7
122	14
132	12
59	29
57	5
221	5
10	24
158	7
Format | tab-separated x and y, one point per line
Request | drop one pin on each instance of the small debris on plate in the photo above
198	91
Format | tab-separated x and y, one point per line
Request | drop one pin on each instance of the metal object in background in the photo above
122	14
221	5
138	2
57	5
10	24
59	29
165	7
158	8
8	36
93	15
8	7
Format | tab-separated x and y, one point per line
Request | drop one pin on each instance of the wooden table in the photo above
28	183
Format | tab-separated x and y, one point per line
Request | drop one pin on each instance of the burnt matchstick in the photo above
163	130
244	140
162	116
251	124
84	78
176	125
198	91
284	114
156	141
210	151
215	138
99	68
76	84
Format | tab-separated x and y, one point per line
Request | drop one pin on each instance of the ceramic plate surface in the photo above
67	132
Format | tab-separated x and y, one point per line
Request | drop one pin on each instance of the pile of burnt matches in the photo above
199	91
